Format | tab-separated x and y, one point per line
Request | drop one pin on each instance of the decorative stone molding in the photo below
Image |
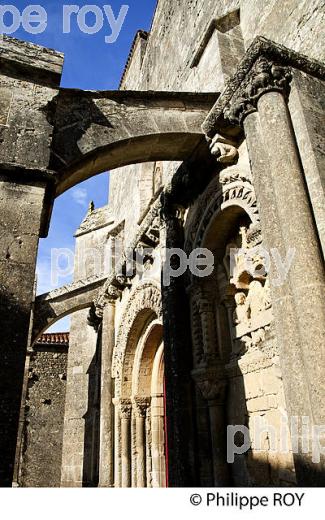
230	175
265	76
223	149
275	79
233	188
203	325
125	409
145	300
141	404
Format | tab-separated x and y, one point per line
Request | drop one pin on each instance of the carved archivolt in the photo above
232	188
145	300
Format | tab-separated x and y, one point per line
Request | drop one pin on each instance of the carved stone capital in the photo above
141	404
248	82
264	76
223	149
211	383
125	408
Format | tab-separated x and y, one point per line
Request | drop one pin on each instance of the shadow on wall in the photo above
12	356
90	476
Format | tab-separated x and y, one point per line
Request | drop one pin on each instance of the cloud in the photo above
80	196
44	277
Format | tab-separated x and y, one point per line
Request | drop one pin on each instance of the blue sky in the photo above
90	63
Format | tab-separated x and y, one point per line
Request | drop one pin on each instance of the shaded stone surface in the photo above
41	456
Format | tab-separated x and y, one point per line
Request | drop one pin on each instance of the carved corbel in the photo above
123	282
112	293
223	149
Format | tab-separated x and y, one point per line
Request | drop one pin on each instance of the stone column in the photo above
178	363
299	304
106	457
287	223
140	409
126	413
21	205
158	441
212	384
117	443
148	448
204	299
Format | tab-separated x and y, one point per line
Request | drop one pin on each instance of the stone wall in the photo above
44	412
80	407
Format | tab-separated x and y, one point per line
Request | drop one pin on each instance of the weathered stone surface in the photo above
20	222
53	306
112	129
41	455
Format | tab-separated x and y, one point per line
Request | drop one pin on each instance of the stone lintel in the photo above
30	62
260	48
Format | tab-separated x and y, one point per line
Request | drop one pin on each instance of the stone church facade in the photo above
215	142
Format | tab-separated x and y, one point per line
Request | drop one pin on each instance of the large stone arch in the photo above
144	305
55	305
99	131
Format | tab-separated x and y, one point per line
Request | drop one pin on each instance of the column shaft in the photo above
117	445
126	445
178	364
141	451
219	444
106	462
298	302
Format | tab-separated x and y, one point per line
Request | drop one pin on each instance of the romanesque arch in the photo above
144	303
55	305
138	368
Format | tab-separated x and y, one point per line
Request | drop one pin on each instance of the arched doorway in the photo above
148	389
138	369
